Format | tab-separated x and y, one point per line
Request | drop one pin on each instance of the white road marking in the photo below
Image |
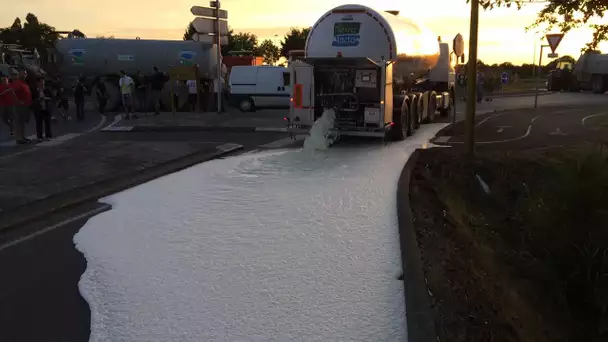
284	142
558	131
228	147
99	125
443	139
490	117
502	128
589	117
93	212
112	127
528	131
59	140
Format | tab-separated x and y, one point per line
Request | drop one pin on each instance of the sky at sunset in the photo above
502	35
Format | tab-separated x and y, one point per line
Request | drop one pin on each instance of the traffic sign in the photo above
504	78
210	39
208	12
553	55
458	45
208	25
554	39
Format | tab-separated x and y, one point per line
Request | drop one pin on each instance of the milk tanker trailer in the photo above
101	60
382	74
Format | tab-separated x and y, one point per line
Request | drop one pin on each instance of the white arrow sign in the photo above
554	39
208	12
207	25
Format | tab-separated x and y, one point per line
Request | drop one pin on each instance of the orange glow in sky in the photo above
502	35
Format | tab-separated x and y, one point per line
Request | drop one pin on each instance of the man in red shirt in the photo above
22	108
7	102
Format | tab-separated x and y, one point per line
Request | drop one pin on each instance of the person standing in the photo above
157	84
102	96
23	97
192	94
127	86
80	90
63	103
7	103
41	104
140	92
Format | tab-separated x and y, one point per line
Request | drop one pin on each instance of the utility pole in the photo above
472	80
218	37
538	73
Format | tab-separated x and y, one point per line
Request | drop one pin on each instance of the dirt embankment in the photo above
521	256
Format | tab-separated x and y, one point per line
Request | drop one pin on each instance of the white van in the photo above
262	86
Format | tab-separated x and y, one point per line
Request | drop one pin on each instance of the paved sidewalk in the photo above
43	180
262	120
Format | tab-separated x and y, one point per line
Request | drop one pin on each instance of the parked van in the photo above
263	86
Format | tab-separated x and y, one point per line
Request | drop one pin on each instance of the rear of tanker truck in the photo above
350	57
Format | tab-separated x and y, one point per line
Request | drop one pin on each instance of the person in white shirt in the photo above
127	86
192	94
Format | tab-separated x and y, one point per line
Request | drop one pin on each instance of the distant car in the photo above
253	87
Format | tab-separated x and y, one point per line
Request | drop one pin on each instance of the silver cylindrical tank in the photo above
98	57
360	31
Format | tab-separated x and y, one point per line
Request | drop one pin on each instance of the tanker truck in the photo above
382	74
101	60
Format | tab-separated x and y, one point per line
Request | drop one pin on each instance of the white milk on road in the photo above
283	246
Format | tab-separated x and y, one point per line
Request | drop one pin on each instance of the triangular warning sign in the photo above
554	39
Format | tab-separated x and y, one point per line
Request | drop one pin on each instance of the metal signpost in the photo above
212	25
458	50
553	39
504	80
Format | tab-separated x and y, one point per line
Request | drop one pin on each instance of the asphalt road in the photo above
39	298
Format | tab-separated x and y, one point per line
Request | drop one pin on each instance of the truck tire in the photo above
445	111
432	108
416	110
246	105
597	84
398	131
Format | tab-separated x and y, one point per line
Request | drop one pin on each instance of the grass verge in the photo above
526	260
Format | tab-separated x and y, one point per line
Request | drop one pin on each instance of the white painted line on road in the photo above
271	129
99	125
118	129
528	131
284	142
59	140
489	117
229	147
93	212
589	117
444	139
502	128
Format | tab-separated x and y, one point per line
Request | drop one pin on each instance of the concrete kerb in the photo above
419	315
194	129
20	216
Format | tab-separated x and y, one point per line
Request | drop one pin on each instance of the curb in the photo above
37	210
193	129
419	316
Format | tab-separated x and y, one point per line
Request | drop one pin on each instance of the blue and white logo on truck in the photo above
187	57
346	34
77	56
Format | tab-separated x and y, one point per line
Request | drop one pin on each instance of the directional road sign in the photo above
554	39
504	78
205	38
207	25
208	12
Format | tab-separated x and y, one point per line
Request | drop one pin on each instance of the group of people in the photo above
21	96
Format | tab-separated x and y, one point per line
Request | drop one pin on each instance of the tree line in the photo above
295	39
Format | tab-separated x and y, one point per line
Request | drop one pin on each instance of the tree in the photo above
242	41
269	51
294	40
33	34
565	15
190	32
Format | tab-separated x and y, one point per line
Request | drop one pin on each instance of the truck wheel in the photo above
411	121
432	107
416	114
246	105
398	131
597	84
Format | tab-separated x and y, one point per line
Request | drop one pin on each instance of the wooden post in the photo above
472	80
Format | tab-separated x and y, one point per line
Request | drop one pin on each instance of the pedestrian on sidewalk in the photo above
140	92
127	86
62	103
41	105
157	84
23	97
7	103
192	94
80	89
102	96
205	94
